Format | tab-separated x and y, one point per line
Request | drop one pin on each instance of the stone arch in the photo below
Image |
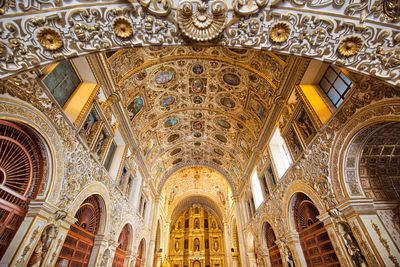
214	167
128	220
101	191
269	238
26	114
349	142
262	229
290	198
209	202
141	252
251	248
313	236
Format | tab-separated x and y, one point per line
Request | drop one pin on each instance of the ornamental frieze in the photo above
360	36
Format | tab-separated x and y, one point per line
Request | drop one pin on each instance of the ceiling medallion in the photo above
201	24
49	38
122	27
280	32
350	46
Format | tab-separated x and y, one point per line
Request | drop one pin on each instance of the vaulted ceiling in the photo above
197	106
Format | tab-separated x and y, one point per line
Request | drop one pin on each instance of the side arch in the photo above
299	187
348	142
104	199
21	112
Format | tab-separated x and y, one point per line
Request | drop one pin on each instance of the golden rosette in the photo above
279	32
49	38
350	46
122	27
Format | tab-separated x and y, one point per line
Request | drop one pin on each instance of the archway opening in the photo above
196	238
314	239
270	238
140	253
78	244
21	174
121	250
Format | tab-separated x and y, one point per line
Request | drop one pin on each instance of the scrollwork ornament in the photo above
49	38
279	32
156	7
204	24
350	46
122	27
251	7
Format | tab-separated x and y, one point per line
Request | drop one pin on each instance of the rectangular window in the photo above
110	154
62	81
206	244
335	84
265	185
186	244
205	223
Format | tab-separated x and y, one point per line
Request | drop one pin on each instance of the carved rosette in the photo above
122	27
279	32
350	46
49	38
204	24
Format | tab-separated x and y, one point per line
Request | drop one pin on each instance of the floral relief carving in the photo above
229	23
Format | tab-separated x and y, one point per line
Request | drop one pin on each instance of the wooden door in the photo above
314	239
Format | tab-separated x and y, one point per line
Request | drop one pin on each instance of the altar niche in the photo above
196	239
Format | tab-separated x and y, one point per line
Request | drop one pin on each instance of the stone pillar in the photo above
228	245
130	259
112	246
368	229
100	254
153	232
242	240
292	241
40	216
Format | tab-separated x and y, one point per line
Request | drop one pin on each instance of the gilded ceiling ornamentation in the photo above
199	109
122	27
314	29
350	46
280	32
49	38
204	24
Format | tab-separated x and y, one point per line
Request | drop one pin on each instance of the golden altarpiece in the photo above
196	239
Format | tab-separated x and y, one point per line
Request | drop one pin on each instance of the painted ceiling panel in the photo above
197	106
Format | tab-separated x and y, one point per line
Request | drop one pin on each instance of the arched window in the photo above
79	242
274	253
314	239
21	173
123	241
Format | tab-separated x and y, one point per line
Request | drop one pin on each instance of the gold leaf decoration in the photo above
49	38
205	23
350	46
122	27
279	32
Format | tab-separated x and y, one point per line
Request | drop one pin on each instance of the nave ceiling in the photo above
198	106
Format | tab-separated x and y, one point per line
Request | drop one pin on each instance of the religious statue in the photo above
48	235
196	246
350	242
216	246
288	256
196	224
